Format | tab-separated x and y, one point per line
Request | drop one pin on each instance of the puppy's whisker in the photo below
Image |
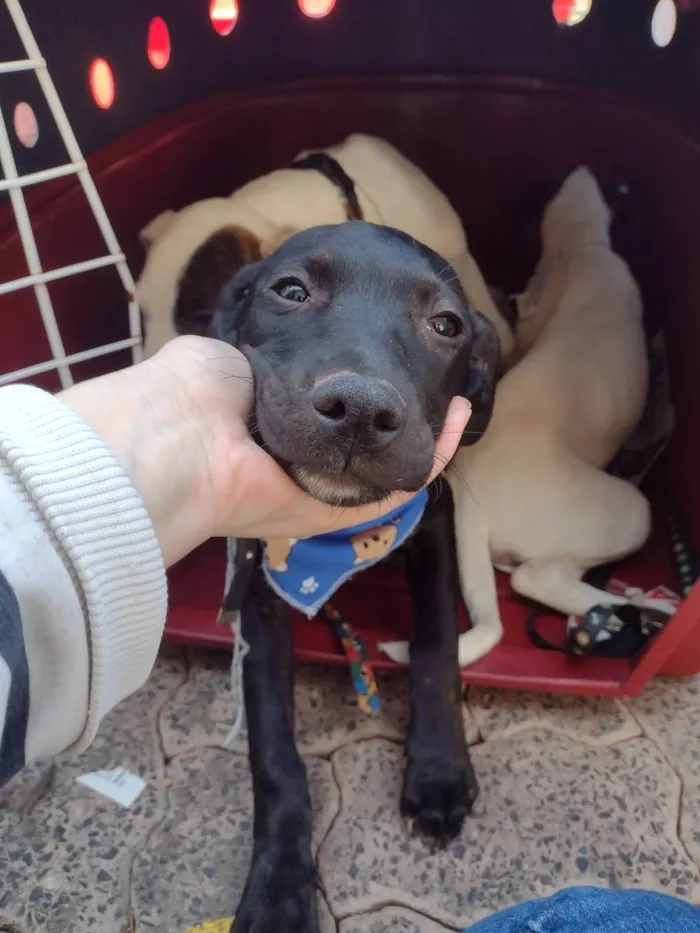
479	433
228	356
491	433
235	376
386	500
462	480
435	488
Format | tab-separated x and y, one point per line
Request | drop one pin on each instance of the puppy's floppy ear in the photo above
210	269
156	228
482	376
225	323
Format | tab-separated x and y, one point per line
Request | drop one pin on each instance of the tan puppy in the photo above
192	253
536	495
532	492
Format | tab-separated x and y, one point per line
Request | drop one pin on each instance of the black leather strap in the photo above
336	174
247	556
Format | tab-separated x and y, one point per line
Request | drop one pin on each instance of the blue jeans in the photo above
594	910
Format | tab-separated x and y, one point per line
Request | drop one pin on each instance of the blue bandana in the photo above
307	573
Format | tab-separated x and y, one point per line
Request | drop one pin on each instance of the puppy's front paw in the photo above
477	642
398	651
279	898
439	795
293	913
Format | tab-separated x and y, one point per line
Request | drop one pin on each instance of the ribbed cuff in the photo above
107	541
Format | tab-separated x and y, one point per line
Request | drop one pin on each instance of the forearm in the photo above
84	594
137	414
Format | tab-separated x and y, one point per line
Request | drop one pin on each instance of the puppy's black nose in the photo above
352	405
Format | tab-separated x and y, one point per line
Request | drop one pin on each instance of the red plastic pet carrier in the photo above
497	102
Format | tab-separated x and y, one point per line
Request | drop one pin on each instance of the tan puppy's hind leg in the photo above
558	585
615	525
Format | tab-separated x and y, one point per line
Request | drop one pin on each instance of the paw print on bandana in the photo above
308	586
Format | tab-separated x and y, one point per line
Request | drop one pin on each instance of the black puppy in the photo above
358	337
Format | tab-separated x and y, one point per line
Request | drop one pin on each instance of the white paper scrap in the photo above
118	784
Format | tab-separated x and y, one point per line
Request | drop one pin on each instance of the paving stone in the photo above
390	920
566	799
595	720
196	862
201	713
669	713
66	851
326	921
26	789
327	715
552	812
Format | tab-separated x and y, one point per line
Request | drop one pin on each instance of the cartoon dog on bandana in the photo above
373	543
277	551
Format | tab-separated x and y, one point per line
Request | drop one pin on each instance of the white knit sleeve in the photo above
96	523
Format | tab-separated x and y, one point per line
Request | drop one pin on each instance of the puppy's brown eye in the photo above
447	325
291	290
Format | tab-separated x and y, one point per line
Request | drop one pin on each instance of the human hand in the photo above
177	423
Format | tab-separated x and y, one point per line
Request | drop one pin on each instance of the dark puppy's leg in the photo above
279	895
439	784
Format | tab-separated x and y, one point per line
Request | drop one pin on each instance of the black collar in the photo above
336	174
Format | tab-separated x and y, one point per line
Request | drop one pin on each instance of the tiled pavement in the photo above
573	791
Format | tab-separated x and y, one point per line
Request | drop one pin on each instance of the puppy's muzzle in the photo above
367	412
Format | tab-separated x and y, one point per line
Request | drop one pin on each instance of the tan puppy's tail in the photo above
576	216
476	576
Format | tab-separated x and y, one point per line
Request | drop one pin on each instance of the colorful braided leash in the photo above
360	666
